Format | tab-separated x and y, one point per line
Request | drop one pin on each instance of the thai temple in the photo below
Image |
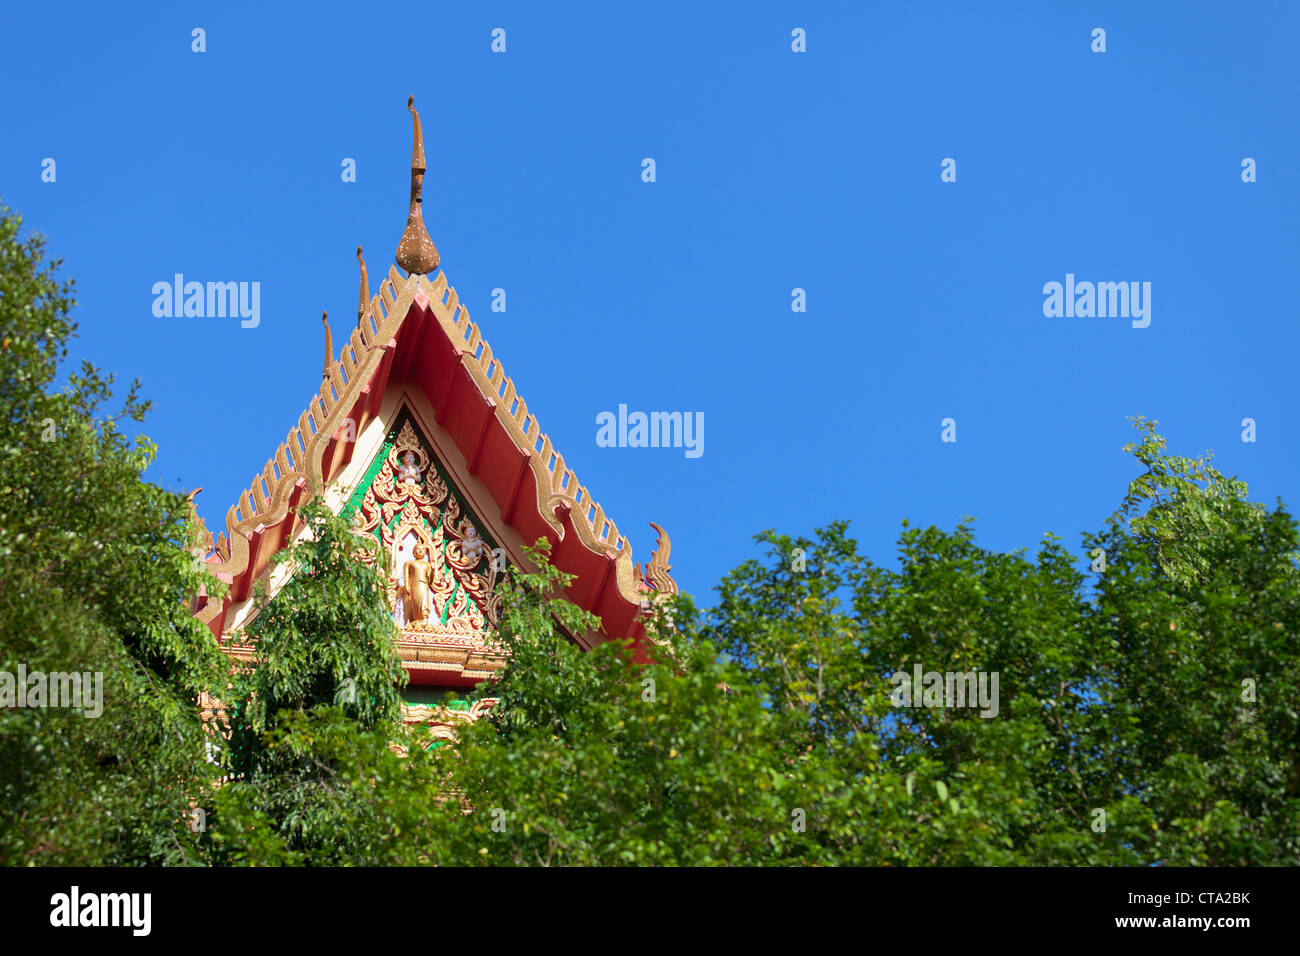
419	437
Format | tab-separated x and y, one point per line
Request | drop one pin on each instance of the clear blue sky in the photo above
775	170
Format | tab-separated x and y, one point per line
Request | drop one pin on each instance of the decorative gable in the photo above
459	478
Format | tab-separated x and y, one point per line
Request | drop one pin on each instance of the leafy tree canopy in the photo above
95	564
1146	707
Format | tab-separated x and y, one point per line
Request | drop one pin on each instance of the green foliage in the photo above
1189	506
766	733
325	659
326	637
1147	713
328	793
94	562
1125	734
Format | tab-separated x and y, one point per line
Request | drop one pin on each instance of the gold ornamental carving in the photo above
443	579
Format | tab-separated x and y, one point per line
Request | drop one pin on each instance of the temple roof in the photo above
416	331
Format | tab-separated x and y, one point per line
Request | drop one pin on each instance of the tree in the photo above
94	563
1203	613
1146	710
326	674
1125	729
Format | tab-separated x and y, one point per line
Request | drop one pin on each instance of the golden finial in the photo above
329	343
416	252
364	302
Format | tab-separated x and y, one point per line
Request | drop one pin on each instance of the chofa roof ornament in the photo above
416	253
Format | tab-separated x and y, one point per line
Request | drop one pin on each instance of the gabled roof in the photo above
416	330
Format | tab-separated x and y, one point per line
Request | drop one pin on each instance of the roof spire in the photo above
329	343
364	301
416	252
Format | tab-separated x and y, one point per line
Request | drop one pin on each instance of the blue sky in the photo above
775	170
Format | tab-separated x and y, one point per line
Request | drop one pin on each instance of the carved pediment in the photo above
443	570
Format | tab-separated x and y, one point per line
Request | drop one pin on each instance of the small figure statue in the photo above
418	572
472	545
409	473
